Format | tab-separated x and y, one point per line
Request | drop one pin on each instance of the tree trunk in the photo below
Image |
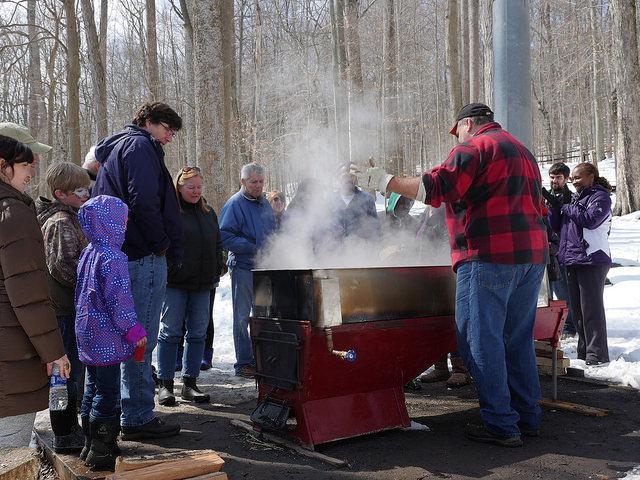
625	58
209	105
153	74
595	83
98	74
464	43
341	45
474	52
229	95
73	81
352	38
453	58
339	98
392	144
37	107
189	102
486	26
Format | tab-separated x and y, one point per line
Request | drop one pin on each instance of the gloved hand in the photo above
371	178
552	200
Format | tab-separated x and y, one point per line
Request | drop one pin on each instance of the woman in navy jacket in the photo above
584	227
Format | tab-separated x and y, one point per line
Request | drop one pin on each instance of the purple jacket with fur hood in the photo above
584	226
107	328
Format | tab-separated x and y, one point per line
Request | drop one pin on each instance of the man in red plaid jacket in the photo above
499	246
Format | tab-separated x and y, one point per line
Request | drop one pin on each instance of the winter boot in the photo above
73	442
165	394
191	392
460	375
104	434
207	359
86	430
439	373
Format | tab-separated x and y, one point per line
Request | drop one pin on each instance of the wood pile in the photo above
544	359
182	465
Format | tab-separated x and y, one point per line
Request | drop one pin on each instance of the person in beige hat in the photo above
23	135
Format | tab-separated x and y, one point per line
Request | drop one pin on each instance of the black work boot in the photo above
165	394
191	392
72	442
156	428
86	430
104	434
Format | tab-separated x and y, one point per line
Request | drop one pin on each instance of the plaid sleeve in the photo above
450	181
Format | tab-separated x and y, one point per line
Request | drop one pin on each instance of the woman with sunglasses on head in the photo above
584	226
187	300
278	203
30	341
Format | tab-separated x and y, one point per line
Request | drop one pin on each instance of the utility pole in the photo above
512	68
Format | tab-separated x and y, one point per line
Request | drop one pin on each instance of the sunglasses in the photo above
81	192
277	199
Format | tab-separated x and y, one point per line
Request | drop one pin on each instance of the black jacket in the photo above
202	262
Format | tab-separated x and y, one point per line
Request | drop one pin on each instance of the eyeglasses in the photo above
277	199
171	131
81	192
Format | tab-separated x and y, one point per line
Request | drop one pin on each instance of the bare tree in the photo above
208	89
392	143
625	57
453	57
153	73
73	81
595	82
475	56
98	74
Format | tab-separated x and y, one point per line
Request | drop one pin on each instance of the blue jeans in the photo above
101	392
148	285
561	289
62	422
182	307
242	296
495	314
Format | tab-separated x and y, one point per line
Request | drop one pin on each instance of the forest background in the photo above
305	86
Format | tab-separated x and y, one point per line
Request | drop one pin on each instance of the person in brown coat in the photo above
30	342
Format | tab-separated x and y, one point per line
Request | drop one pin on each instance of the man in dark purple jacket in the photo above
133	170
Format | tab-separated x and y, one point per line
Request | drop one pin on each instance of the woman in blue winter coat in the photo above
584	227
107	328
189	287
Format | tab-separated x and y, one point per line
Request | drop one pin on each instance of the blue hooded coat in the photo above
133	170
107	327
245	223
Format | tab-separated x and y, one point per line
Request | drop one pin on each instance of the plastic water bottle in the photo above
58	397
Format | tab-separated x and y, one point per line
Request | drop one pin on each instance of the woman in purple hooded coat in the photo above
584	227
107	329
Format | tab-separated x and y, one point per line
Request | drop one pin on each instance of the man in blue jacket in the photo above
133	170
245	222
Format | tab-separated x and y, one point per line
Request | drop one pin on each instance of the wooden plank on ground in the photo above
548	362
574	407
185	467
125	464
336	462
209	476
547	353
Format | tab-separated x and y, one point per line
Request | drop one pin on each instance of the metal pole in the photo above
512	68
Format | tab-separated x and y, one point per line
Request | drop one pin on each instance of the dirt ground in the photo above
571	446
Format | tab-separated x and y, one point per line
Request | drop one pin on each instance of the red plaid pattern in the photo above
492	187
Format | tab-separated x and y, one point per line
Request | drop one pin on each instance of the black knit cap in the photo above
471	110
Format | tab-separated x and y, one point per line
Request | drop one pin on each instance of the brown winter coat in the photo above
29	335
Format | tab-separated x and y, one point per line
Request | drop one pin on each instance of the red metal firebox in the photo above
334	348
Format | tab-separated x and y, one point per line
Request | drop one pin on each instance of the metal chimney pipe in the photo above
512	68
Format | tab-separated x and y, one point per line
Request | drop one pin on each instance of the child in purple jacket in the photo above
107	329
